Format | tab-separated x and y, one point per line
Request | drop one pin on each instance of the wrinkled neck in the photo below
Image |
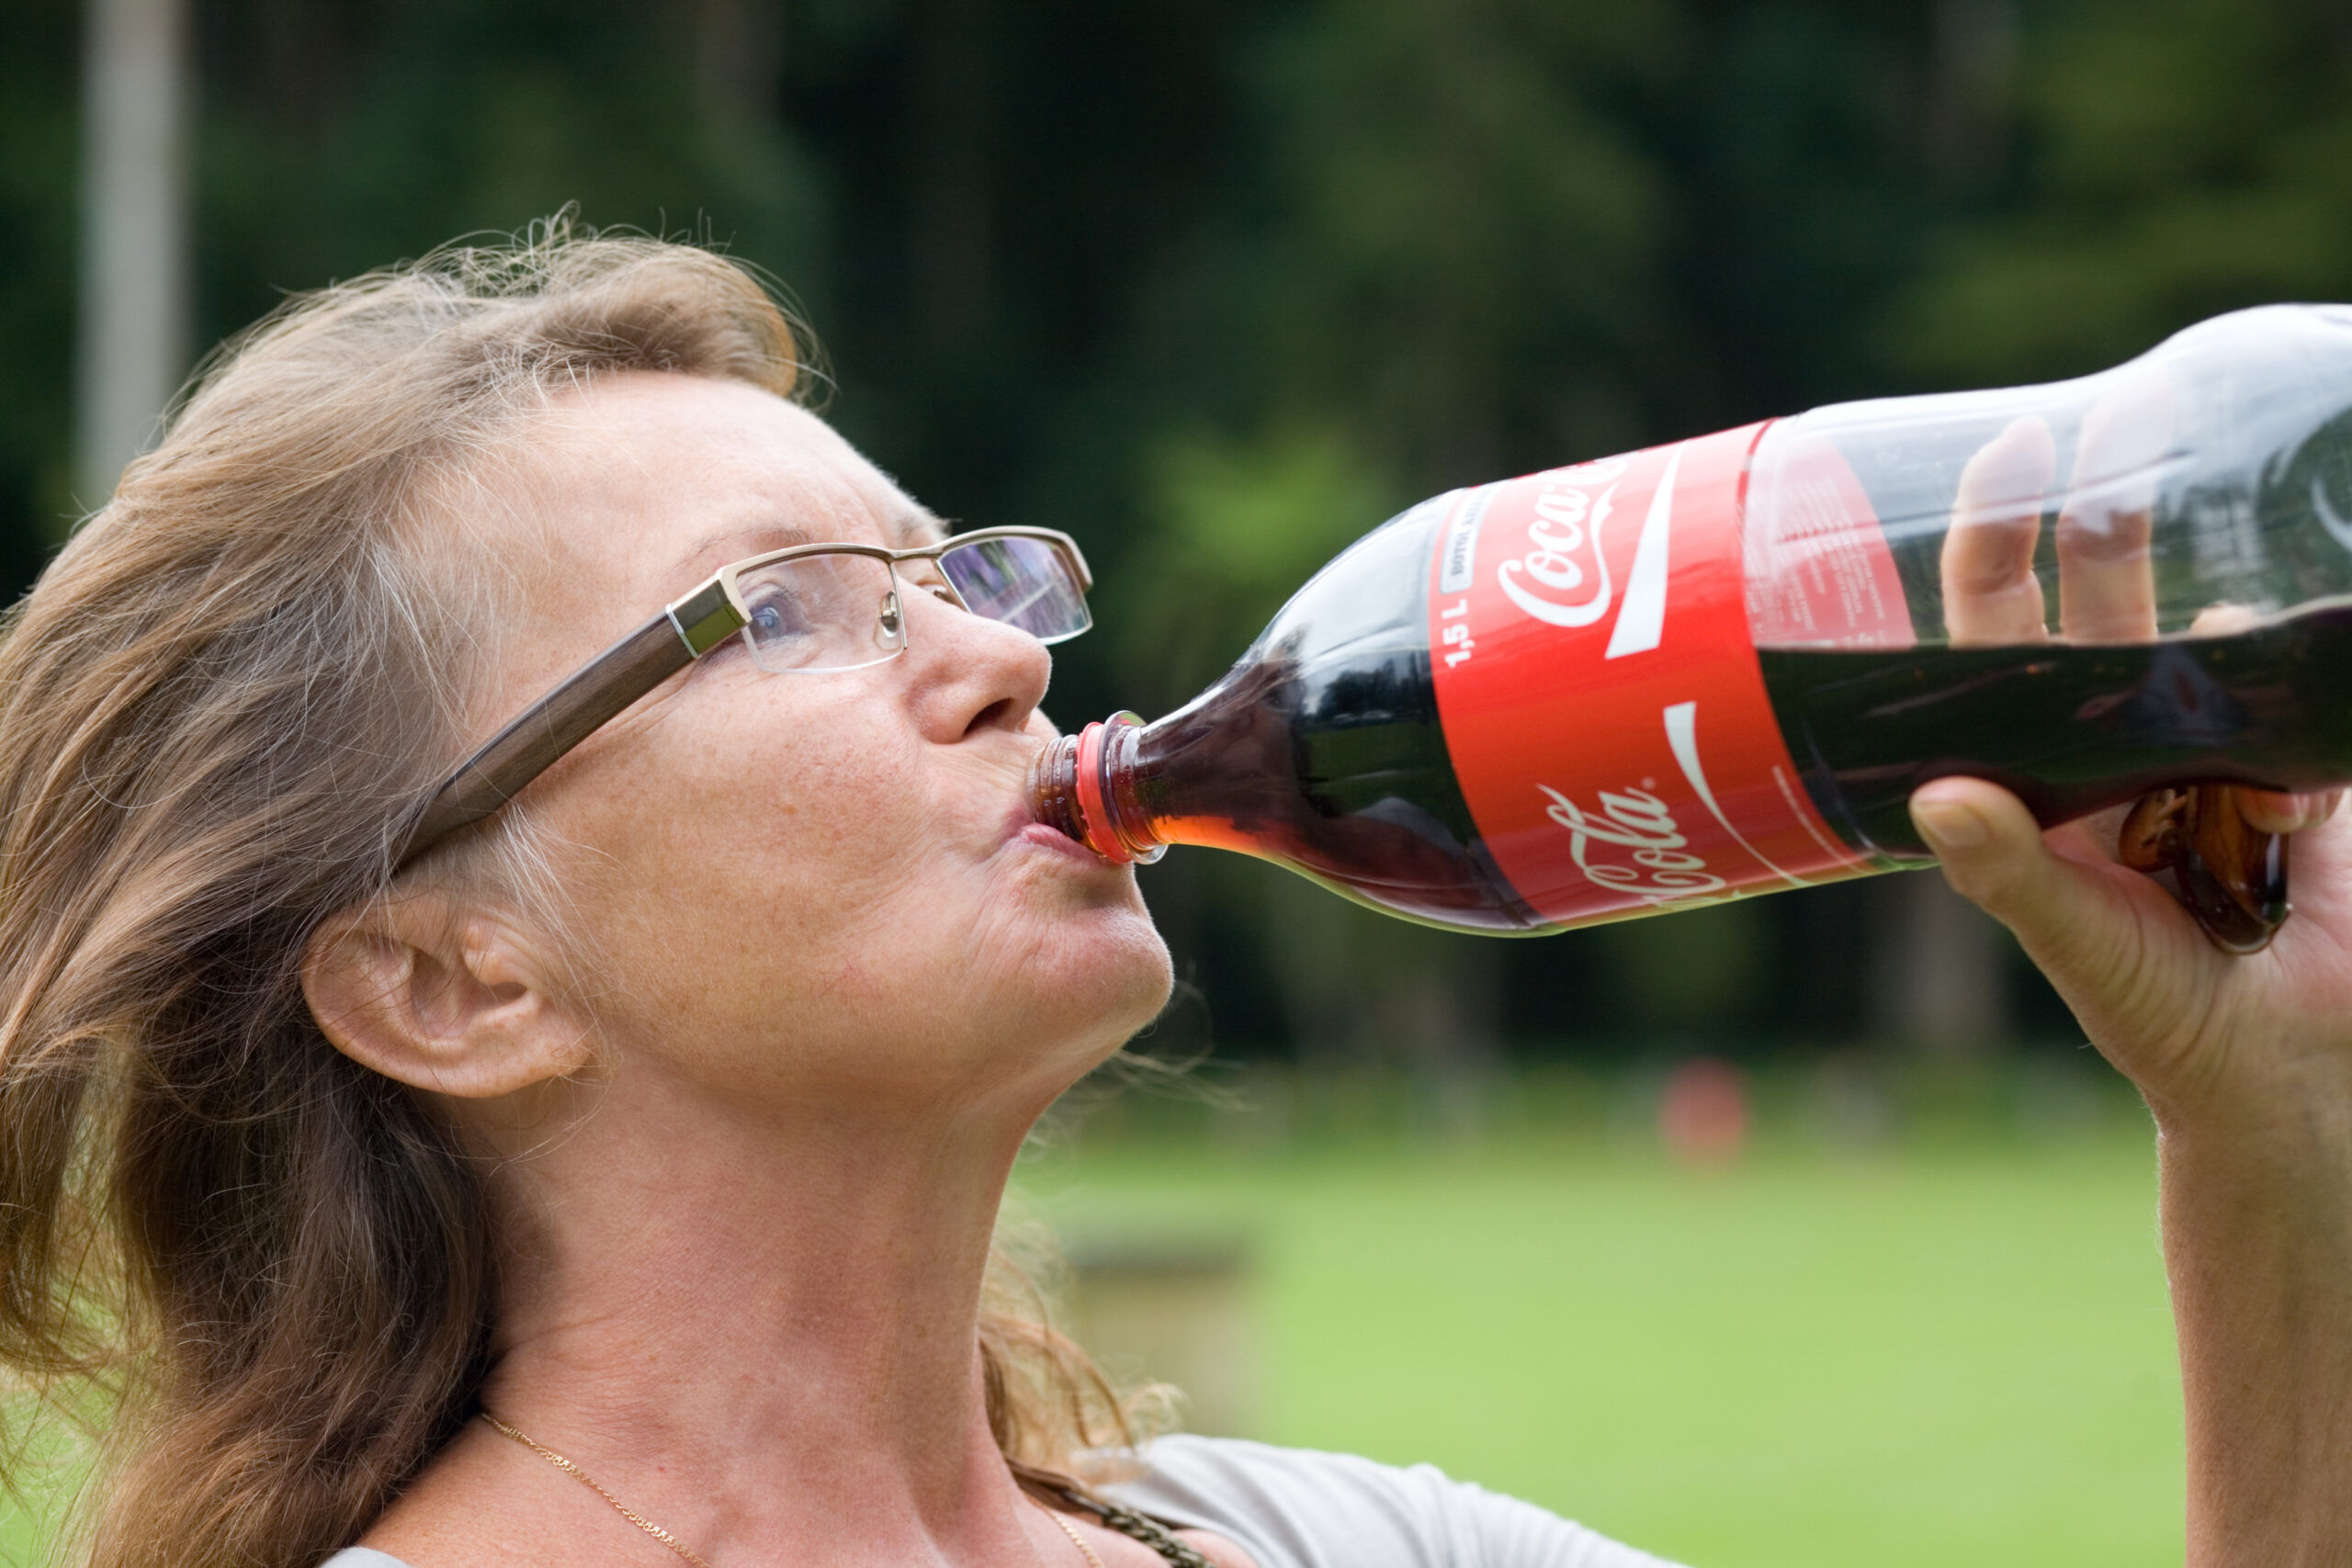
766	1330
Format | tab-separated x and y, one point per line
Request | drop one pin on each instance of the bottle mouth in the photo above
1073	788
1053	788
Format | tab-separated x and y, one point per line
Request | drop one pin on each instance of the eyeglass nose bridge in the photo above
892	632
890	620
940	585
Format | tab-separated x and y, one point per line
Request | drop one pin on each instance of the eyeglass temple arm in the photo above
591	697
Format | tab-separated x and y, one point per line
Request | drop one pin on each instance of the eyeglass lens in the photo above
840	612
1022	583
823	613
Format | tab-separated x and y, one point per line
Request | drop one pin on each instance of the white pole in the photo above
132	332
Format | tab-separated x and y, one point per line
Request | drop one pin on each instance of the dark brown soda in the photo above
2069	729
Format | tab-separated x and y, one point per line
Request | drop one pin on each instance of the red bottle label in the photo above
1819	573
1602	701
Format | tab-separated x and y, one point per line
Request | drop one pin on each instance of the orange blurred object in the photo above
1703	1116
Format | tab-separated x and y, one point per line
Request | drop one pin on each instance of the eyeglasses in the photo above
809	610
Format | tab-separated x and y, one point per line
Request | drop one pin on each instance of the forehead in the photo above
625	494
678	475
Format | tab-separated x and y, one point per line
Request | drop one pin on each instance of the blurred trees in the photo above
340	136
2181	157
1217	284
38	79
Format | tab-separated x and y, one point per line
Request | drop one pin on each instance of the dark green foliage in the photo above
2181	157
37	241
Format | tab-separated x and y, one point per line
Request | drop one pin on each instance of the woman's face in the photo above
807	888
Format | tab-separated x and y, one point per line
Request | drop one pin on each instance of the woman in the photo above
401	1155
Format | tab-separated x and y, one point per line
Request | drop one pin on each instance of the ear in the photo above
440	996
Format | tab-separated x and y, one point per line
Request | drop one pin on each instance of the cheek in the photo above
763	861
817	890
808	857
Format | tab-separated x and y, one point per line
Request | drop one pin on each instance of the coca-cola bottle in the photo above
1719	667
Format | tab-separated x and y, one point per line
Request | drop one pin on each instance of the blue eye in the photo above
778	615
821	612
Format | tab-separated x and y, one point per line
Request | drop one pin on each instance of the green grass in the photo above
26	1525
22	1533
1944	1353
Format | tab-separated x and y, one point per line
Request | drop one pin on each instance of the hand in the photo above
2148	990
2201	1032
2247	1062
2231	875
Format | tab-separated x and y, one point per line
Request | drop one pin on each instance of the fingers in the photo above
2106	580
1994	854
2273	811
1990	846
1991	594
2107	585
2265	811
2224	620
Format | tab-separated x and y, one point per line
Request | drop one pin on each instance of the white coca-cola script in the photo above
1549	580
1663	870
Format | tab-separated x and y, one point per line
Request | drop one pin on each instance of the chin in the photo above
1127	977
1091	981
1156	982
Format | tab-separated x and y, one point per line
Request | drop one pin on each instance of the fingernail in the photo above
1949	825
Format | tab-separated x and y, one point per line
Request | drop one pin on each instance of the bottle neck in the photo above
1084	785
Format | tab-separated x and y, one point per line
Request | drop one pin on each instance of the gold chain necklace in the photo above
679	1547
1071	1530
581	1476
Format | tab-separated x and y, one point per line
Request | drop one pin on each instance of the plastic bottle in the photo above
1719	667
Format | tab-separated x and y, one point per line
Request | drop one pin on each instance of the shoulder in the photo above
362	1557
1301	1508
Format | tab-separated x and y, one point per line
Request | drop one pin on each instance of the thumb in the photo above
2071	919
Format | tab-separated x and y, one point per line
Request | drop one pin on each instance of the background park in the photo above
1215	286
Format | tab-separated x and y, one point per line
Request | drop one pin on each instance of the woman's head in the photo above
813	891
383	519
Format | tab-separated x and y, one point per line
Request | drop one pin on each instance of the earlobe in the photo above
441	998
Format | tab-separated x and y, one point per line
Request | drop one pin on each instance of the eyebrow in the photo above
908	527
915	525
741	542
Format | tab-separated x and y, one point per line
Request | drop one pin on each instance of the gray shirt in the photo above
1298	1508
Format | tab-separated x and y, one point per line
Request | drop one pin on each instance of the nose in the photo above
969	674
